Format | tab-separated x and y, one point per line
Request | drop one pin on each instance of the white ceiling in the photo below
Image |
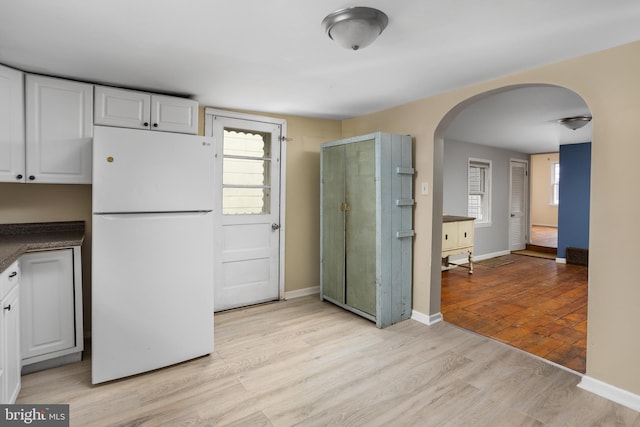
273	56
523	120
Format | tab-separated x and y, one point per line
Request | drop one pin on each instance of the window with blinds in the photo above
479	180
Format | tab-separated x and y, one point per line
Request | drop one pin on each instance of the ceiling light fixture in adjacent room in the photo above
355	27
576	122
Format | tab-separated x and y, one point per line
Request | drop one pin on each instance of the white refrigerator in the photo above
152	250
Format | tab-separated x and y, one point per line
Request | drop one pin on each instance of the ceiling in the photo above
523	120
273	56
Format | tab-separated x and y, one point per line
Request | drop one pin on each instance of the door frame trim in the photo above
210	112
527	225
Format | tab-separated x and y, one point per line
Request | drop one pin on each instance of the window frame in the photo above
554	192
485	205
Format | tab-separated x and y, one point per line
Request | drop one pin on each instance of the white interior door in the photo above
518	205
246	211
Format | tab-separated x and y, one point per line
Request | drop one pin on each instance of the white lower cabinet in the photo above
10	361
51	313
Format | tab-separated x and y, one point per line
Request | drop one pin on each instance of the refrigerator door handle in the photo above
149	215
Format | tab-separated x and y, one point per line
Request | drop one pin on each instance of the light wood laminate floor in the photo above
304	362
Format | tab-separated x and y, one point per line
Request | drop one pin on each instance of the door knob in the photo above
275	226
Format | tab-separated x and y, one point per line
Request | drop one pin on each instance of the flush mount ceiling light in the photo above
355	27
576	122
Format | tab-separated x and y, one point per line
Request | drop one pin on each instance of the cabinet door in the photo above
3	354
122	108
465	234
332	223
11	125
171	114
449	235
360	226
9	278
47	295
59	126
11	345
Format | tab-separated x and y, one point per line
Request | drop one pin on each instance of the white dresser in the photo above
457	238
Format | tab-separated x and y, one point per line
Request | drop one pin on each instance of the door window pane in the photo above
246	171
245	201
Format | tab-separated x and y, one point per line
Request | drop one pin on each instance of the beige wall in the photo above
542	211
52	202
609	82
302	222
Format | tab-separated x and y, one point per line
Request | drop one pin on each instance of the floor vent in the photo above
577	256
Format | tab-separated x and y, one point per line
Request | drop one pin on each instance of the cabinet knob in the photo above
145	124
446	237
155	125
13	274
8	307
19	176
32	178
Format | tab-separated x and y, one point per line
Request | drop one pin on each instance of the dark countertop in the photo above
16	239
453	218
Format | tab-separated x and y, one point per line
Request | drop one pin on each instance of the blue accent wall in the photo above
575	185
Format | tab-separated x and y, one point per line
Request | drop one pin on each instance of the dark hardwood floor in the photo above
533	304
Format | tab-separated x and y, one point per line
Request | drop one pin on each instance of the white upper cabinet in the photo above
59	130
141	110
171	114
12	166
122	108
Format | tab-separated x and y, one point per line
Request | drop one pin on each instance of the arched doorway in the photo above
544	314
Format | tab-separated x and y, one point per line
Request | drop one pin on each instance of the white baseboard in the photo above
482	257
425	318
561	260
491	255
302	292
610	392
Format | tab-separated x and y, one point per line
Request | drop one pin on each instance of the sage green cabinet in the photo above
366	211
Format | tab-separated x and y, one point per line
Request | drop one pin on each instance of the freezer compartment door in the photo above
152	292
146	171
